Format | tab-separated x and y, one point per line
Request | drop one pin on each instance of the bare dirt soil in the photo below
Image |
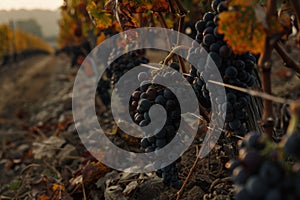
28	84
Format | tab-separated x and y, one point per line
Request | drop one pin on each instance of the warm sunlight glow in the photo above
30	4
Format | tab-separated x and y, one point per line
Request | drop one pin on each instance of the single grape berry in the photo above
214	47
235	124
208	16
144	105
221	7
168	94
136	95
231	72
209	39
225	51
200	25
214	5
160	100
144	143
251	160
151	94
208	30
216	34
144	85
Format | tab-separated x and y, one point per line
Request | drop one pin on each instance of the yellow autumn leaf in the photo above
242	31
102	18
246	27
160	6
101	38
137	6
126	18
57	187
242	3
43	197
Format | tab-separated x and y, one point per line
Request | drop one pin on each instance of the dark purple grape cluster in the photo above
237	70
151	94
261	171
169	175
117	69
141	101
124	63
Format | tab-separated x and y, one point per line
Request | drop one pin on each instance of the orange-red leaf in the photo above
57	187
246	27
43	197
160	6
125	17
242	31
137	6
241	3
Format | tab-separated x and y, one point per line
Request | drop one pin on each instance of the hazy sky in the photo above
30	4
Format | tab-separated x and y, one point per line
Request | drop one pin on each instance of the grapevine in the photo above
240	38
16	43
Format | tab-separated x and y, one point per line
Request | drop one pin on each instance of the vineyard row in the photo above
17	44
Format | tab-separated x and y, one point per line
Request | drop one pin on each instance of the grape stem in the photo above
290	62
204	115
181	14
141	19
256	93
180	7
182	65
152	22
198	117
265	66
162	20
198	158
171	54
172	9
180	23
83	190
180	192
150	66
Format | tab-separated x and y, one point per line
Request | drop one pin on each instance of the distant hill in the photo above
47	19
